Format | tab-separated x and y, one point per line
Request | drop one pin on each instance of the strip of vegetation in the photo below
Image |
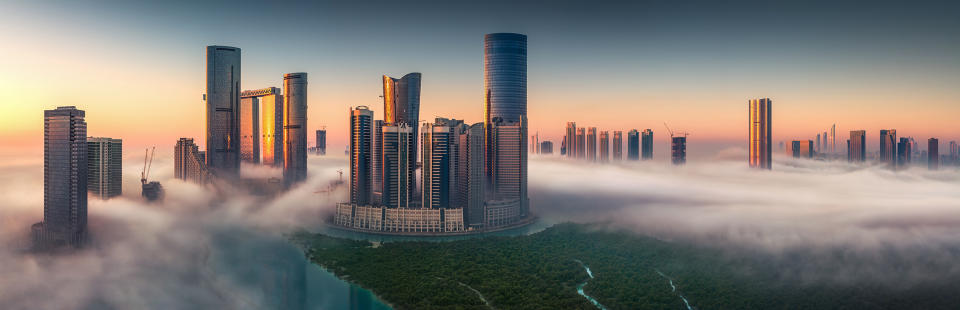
539	271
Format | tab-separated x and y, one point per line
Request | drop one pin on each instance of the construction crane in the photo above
152	191
672	134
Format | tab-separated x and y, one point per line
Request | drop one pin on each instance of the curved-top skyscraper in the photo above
223	110
505	115
294	127
401	105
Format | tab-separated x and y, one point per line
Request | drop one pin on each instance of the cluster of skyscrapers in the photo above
472	176
263	126
894	153
582	143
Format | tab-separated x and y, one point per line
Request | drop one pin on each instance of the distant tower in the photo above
760	133
858	146
581	145
546	147
825	142
833	138
818	143
904	150
633	145
604	146
592	144
646	145
223	110
64	177
933	153
294	127
678	150
321	142
954	153
266	144
189	163
105	167
888	147
361	132
571	138
618	145
802	148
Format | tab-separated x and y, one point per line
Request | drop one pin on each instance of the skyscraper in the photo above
760	133
546	147
647	145
802	148
581	145
396	144
189	164
321	142
294	127
505	110
401	105
604	146
361	132
507	181
833	138
64	176
105	167
888	147
954	153
933	154
904	150
376	161
825	142
858	146
618	145
470	190
437	163
223	110
249	129
817	146
592	144
268	135
633	145
570	138
678	149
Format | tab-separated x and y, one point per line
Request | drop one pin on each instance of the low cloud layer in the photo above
852	223
882	223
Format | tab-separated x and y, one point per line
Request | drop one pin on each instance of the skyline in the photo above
906	85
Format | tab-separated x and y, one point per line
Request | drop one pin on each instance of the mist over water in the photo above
200	249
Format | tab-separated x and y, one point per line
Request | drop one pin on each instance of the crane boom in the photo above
668	129
147	173
143	173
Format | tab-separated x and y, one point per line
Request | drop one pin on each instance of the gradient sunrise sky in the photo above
138	69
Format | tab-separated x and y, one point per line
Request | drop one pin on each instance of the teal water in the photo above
265	271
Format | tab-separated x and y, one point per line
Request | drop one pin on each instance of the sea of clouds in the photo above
849	223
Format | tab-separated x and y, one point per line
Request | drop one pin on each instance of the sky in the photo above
138	68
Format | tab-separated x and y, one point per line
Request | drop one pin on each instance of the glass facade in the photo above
618	145
505	114
105	167
646	147
294	127
64	176
761	145
396	143
633	145
361	133
223	110
858	146
401	105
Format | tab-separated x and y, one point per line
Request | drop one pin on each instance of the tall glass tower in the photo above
361	149
760	133
223	110
505	112
401	105
294	127
64	176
